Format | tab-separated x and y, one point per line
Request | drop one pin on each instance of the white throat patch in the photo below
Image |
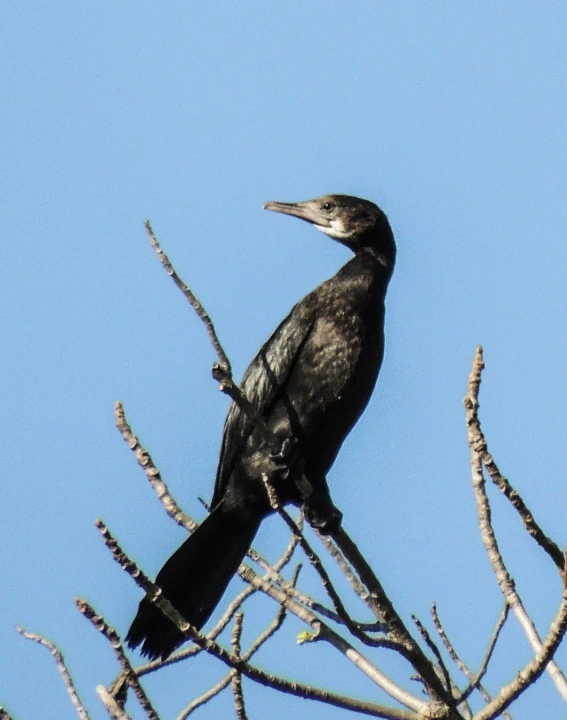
335	230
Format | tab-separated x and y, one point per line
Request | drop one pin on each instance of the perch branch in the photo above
349	574
315	561
385	611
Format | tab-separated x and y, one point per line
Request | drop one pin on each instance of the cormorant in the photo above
310	382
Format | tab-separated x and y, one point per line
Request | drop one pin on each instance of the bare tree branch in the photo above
151	471
112	636
260	640
315	560
533	669
205	697
386	612
60	661
236	679
528	520
112	707
199	309
321	632
488	654
481	447
435	650
456	659
222	372
350	576
274	626
503	577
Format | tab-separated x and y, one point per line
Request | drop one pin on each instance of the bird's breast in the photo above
339	367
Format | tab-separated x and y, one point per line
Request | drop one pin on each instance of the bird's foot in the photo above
285	458
322	515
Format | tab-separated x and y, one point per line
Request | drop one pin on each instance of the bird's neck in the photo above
378	246
378	261
367	274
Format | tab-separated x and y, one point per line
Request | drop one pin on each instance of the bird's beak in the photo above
304	210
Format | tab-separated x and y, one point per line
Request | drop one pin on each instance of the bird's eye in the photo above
328	206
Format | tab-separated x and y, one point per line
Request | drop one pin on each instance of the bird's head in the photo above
351	221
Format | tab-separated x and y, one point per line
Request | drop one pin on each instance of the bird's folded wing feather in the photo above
263	382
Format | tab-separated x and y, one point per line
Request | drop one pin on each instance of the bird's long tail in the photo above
194	580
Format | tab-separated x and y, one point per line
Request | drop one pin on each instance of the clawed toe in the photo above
286	457
326	520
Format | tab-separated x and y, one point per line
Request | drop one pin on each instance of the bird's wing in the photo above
262	384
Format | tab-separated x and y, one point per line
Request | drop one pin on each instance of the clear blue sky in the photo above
452	117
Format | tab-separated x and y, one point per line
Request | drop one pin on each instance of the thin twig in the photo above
481	447
505	581
151	471
205	697
113	638
467	672
223	376
435	650
274	626
488	654
199	309
222	372
60	662
236	679
528	520
533	670
321	609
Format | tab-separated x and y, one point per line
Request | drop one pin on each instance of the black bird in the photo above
310	381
